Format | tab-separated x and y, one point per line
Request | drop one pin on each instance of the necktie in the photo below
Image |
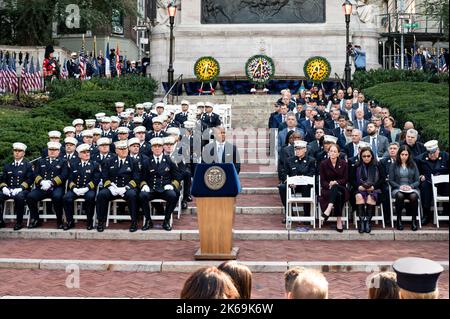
360	125
220	153
83	165
374	146
157	161
17	164
355	152
120	163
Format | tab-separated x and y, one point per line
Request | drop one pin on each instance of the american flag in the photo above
11	76
64	73
442	65
118	66
25	78
38	81
82	60
2	77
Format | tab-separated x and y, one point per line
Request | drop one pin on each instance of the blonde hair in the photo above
406	294
383	285
310	284
290	276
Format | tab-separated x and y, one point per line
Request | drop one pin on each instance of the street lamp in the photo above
172	10
347	8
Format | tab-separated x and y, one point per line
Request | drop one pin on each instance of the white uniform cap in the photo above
99	116
209	104
362	144
124	114
19	146
123	130
157	141
54	145
105	119
202	104
330	139
77	122
300	144
185	102
138	120
96	131
71	140
88	133
133	62
83	148
139	129
68	129
73	54
157	119
163	118
169	140
139	106
115	119
173	131
55	134
90	122
103	141
119	104
133	140
431	146
189	125
121	145
159	104
130	110
148	105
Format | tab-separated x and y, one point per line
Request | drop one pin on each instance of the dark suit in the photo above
287	152
17	177
350	151
180	118
362	128
365	107
341	137
416	150
149	136
212	120
274	120
230	155
339	173
382	145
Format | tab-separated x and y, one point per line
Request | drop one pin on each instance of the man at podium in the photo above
221	151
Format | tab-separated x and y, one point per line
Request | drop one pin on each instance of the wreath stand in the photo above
211	89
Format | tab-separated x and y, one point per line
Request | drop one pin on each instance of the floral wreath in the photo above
317	69
254	74
214	69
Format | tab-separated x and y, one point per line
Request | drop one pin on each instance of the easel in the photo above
211	89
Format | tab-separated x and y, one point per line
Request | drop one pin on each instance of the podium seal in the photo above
215	178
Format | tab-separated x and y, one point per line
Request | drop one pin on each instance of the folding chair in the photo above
435	180
77	209
293	199
344	218
9	214
379	216
112	212
158	217
405	218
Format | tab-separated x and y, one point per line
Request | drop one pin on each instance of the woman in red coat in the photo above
333	183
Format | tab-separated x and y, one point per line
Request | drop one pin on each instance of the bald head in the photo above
408	125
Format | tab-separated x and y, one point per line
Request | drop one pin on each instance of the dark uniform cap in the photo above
321	102
318	117
301	100
418	275
336	101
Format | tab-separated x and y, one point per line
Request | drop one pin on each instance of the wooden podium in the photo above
215	210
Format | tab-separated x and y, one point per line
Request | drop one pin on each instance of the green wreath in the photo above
260	69
206	69
317	69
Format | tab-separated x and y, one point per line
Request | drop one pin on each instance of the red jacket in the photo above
329	173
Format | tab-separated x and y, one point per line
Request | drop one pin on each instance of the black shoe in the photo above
2	223
399	225
133	227
69	225
361	212
425	220
414	225
59	225
100	227
18	226
184	205
367	227
166	226
340	230
35	223
325	217
89	225
147	225
189	198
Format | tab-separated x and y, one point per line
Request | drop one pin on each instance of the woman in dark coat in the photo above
333	182
368	181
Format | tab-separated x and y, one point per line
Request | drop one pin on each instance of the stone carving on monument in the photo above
162	17
262	11
367	10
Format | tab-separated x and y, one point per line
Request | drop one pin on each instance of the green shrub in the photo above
363	80
425	104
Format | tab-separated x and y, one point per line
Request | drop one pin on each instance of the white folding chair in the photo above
8	211
158	217
405	218
379	216
45	215
77	209
112	211
344	217
293	199
435	180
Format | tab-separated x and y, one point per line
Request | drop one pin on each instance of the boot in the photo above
414	221
360	210
89	225
166	224
369	213
100	226
426	216
399	221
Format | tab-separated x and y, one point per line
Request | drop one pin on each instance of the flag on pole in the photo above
82	59
64	72
24	78
13	81
37	78
31	81
2	76
96	67
124	65
118	66
107	61
95	47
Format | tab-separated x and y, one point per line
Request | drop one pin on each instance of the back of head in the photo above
383	285
310	284
209	283
289	278
406	294
241	276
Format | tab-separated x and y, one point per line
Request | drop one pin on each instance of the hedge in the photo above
425	104
363	80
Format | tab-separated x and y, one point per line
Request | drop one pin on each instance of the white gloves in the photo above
121	191
76	191
168	187
45	185
6	191
145	188
80	191
113	189
16	191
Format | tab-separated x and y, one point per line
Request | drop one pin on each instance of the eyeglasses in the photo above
367	156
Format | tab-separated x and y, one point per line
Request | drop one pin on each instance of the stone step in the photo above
258	167
257	174
259	190
259	182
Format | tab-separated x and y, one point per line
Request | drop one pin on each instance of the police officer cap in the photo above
139	129
321	102
157	141
169	140
318	117
138	120
71	140
130	110
69	129
120	104
336	101
159	104
77	122
54	145
148	105
189	125
99	116
103	141
83	148
121	145
300	144
200	104
431	146
105	119
88	133
418	275
139	106
330	139
123	130
157	119
54	134
90	122
133	140
185	102
173	131
96	131
124	115
209	104
19	146
115	119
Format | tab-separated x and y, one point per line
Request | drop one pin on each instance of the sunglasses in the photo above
367	156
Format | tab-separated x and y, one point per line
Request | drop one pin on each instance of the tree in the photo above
439	10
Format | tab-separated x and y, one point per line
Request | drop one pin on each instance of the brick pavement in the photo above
264	250
163	285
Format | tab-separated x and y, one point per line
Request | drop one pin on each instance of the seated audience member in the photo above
416	147
287	151
241	276
389	126
383	285
209	283
309	284
417	278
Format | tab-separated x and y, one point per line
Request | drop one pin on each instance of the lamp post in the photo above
172	10
347	8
